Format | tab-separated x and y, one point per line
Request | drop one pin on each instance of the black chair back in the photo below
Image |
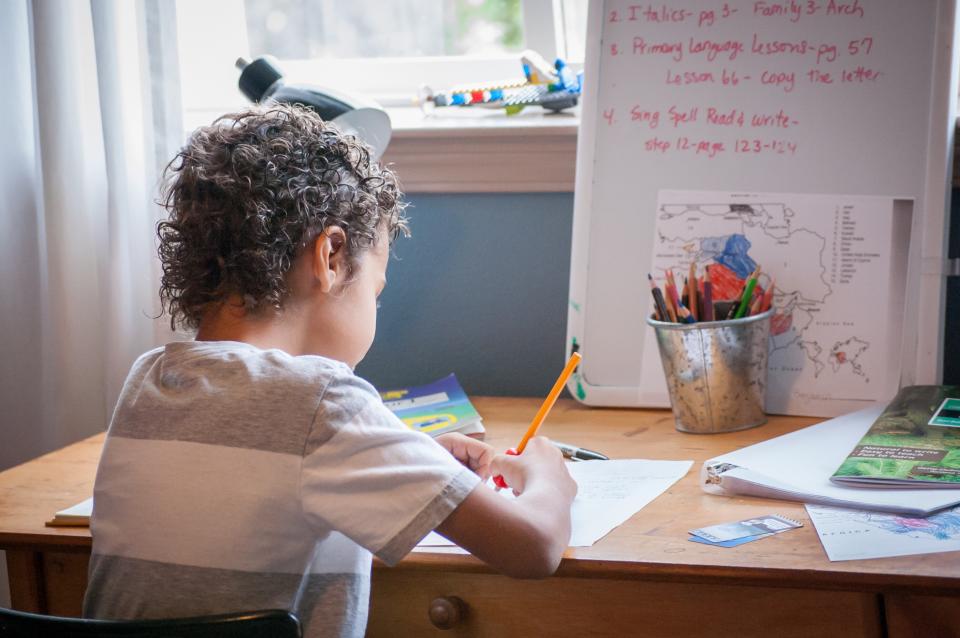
254	624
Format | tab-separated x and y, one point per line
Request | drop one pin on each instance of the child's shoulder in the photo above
243	363
326	388
241	372
209	391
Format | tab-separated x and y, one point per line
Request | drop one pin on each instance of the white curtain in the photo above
91	114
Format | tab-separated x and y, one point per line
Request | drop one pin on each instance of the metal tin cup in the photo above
716	372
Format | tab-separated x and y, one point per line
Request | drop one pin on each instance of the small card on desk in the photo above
731	543
739	532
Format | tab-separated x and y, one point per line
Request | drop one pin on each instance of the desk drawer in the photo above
499	606
912	615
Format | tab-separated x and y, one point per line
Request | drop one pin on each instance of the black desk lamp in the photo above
261	80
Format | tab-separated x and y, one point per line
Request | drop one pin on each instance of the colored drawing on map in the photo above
848	534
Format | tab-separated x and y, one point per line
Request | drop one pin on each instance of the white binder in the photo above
798	467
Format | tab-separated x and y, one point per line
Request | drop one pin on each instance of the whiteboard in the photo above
857	98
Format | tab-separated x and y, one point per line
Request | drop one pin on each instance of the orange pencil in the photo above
668	300
543	411
768	297
549	401
673	297
707	295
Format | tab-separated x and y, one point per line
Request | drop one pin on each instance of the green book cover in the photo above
914	443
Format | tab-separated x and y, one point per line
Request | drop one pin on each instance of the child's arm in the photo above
524	538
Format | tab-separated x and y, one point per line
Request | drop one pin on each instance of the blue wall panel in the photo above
480	289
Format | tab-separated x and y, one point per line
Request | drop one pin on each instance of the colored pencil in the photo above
736	299
662	313
768	296
693	289
668	298
733	306
672	295
684	315
744	304
671	309
707	296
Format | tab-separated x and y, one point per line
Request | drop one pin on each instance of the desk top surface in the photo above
651	545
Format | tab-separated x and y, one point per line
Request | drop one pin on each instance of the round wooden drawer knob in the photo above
446	612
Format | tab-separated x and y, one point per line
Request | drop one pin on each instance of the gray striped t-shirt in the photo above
235	479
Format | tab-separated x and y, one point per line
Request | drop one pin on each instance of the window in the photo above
573	20
327	29
384	50
389	50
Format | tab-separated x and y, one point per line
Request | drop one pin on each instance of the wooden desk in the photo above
644	578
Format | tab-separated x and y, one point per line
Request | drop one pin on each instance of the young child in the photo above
250	468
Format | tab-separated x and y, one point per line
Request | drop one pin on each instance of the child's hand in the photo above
541	464
475	454
531	533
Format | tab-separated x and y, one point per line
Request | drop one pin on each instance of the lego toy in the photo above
554	89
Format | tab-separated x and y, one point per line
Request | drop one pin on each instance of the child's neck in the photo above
230	322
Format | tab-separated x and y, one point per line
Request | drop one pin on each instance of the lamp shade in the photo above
261	80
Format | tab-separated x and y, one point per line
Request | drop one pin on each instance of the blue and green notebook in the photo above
436	408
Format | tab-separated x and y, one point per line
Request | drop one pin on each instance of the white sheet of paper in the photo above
609	493
848	534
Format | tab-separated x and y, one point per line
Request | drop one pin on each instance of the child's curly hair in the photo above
249	191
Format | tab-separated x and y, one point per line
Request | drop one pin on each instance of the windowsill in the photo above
461	150
474	121
473	149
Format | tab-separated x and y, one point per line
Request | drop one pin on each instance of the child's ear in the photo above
330	258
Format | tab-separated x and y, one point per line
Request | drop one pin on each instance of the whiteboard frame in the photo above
923	334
